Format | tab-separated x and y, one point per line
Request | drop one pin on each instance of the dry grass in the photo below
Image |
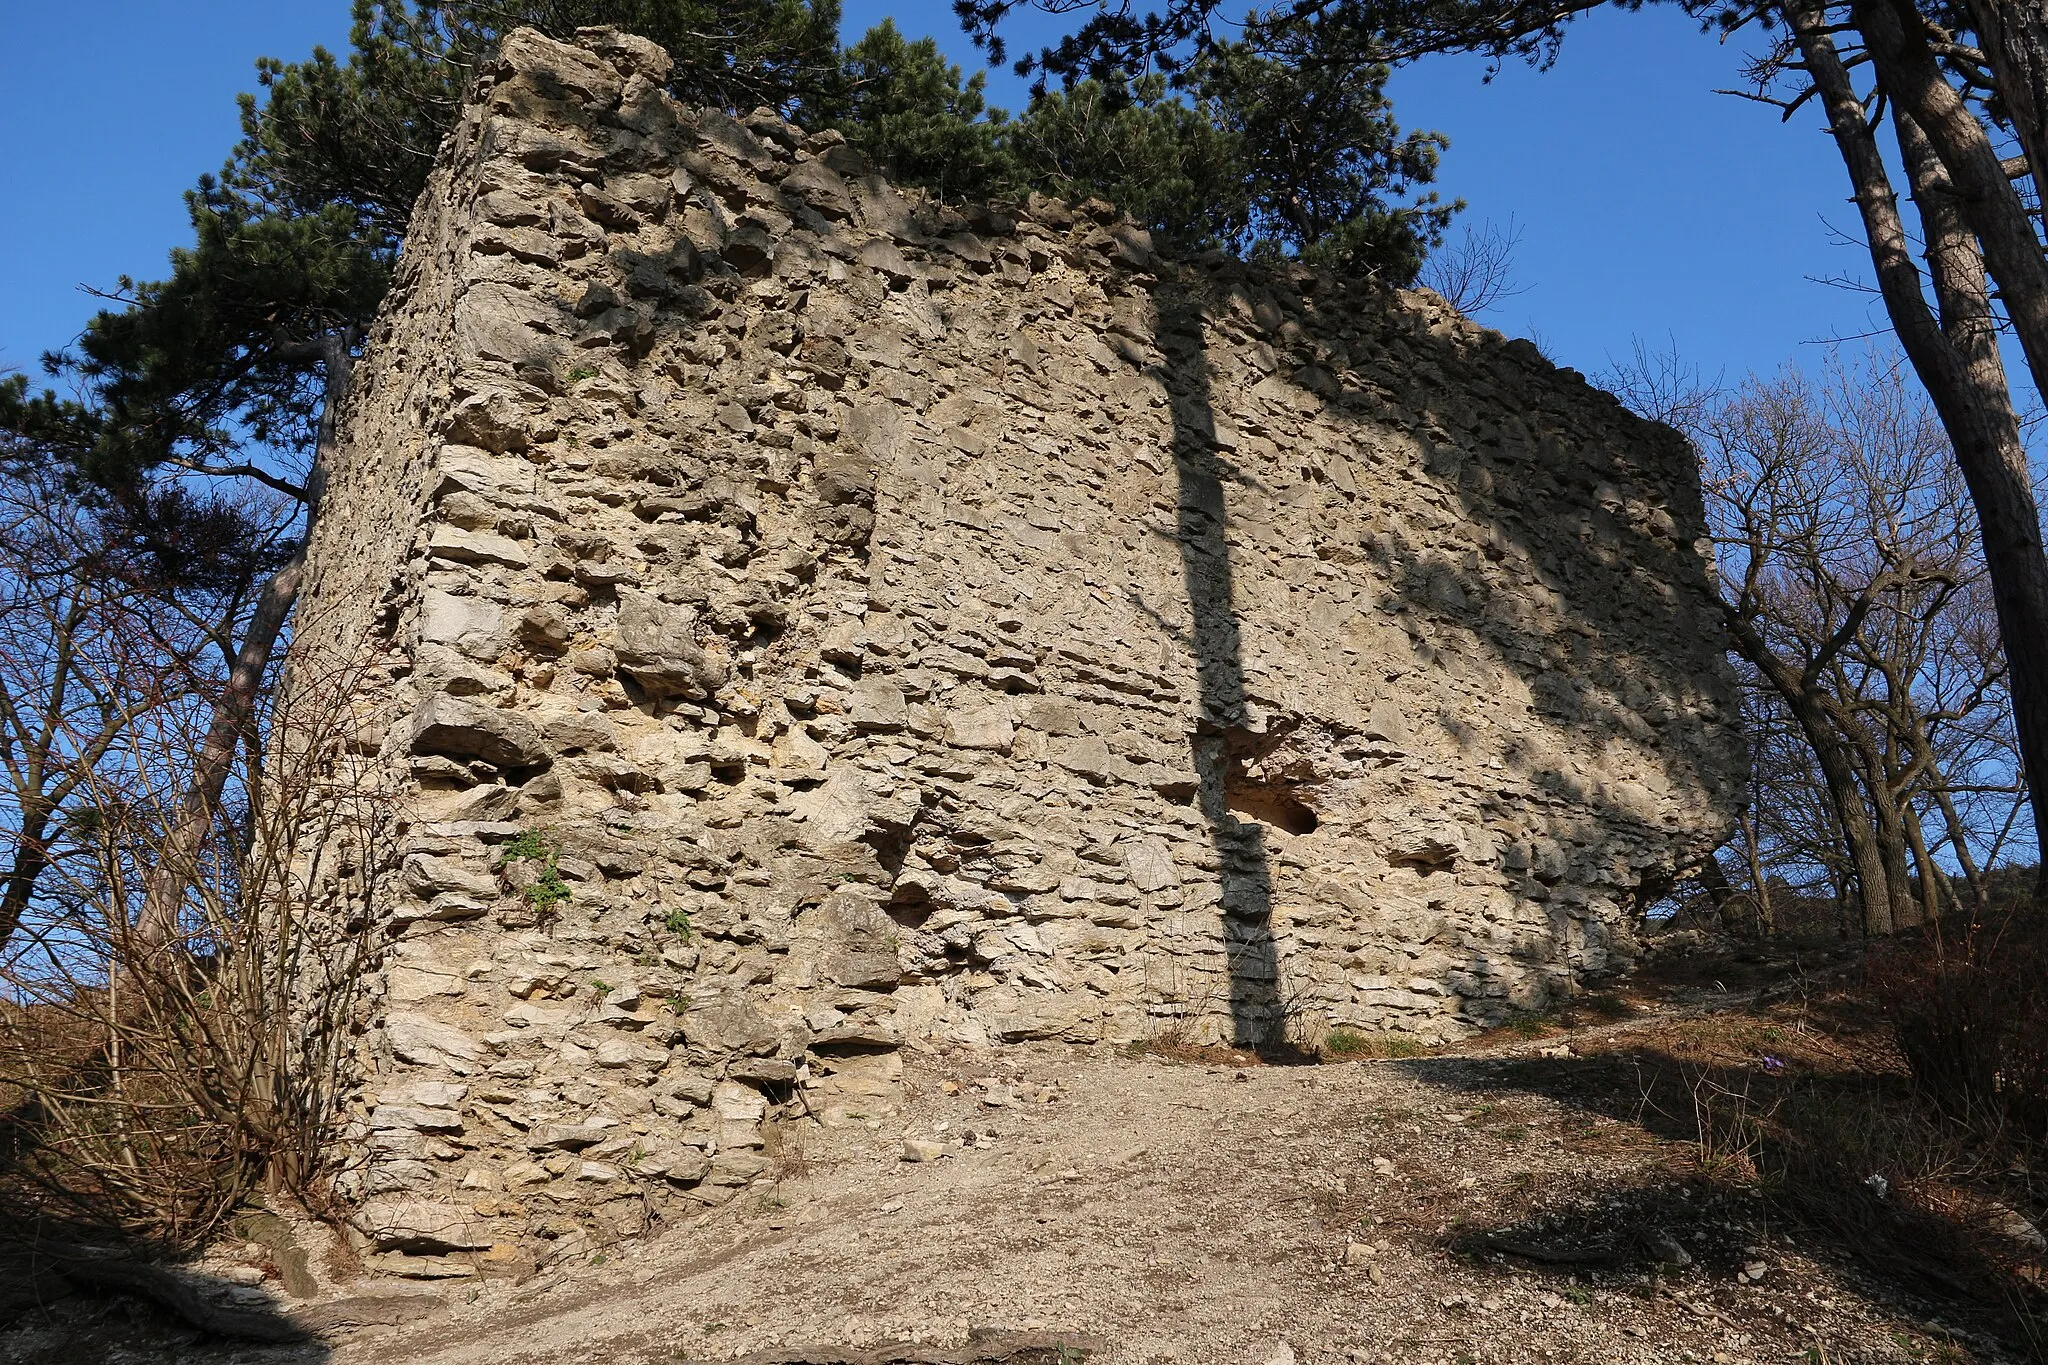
1346	1045
787	1147
1811	1105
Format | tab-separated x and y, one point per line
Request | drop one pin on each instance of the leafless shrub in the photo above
85	657
1875	692
1969	1008
788	1149
1189	1021
1476	271
1732	1121
147	1086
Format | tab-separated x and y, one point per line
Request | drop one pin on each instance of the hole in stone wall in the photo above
909	914
1269	804
891	846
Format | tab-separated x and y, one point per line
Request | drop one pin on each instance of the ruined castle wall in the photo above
890	624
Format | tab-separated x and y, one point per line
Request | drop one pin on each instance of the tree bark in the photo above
1896	39
1959	840
2014	37
1931	880
1884	797
1759	883
1957	361
234	713
31	860
1892	839
1725	899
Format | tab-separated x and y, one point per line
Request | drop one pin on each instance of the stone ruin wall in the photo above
905	626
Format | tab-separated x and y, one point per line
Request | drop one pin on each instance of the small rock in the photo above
394	1222
1661	1244
1358	1253
1280	1354
450	726
922	1149
2015	1227
567	1136
420	1267
657	648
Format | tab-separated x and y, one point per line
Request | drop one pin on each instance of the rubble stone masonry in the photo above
806	621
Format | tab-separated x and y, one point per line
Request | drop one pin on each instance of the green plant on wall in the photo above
548	890
678	923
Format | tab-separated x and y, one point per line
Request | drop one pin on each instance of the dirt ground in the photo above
1531	1199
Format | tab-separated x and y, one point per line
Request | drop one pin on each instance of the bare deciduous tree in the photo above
1861	614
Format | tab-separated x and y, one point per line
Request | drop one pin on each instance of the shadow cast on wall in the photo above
1223	724
1532	606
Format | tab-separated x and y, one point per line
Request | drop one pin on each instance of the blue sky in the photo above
1648	205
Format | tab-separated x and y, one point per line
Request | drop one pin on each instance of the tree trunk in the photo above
1759	883
1838	770
234	713
1892	839
1883	801
1974	218
1896	39
2014	37
1725	899
1931	880
1957	361
1958	839
31	859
